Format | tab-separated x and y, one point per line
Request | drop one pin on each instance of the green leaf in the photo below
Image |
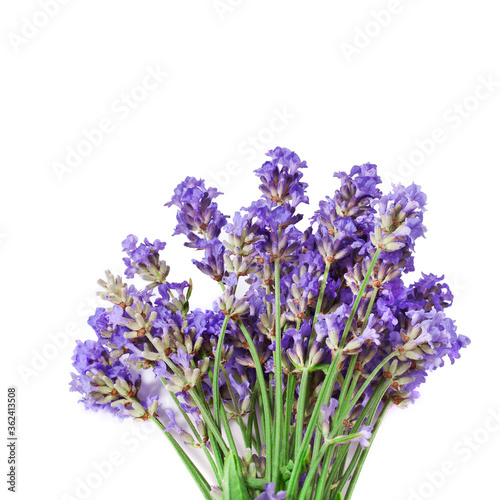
190	289
286	471
338	497
234	484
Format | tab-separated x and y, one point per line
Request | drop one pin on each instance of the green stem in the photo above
324	474
200	402
318	437
311	475
216	450
214	467
301	407
369	310
302	451
252	419
254	483
348	388
278	400
217	364
229	434
345	398
207	417
260	402
347	472
219	456
265	400
367	383
193	470
268	304
319	303
362	460
368	412
235	404
328	384
359	296
321	292
373	404
290	391
338	466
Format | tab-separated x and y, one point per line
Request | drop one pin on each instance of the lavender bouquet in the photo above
313	338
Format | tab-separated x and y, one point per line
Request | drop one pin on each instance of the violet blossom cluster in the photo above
354	338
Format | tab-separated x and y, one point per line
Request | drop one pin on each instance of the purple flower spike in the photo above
146	254
281	176
198	216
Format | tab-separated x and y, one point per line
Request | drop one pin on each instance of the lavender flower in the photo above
281	176
142	258
105	384
303	317
174	427
198	216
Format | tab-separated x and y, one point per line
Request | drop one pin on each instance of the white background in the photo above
298	74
